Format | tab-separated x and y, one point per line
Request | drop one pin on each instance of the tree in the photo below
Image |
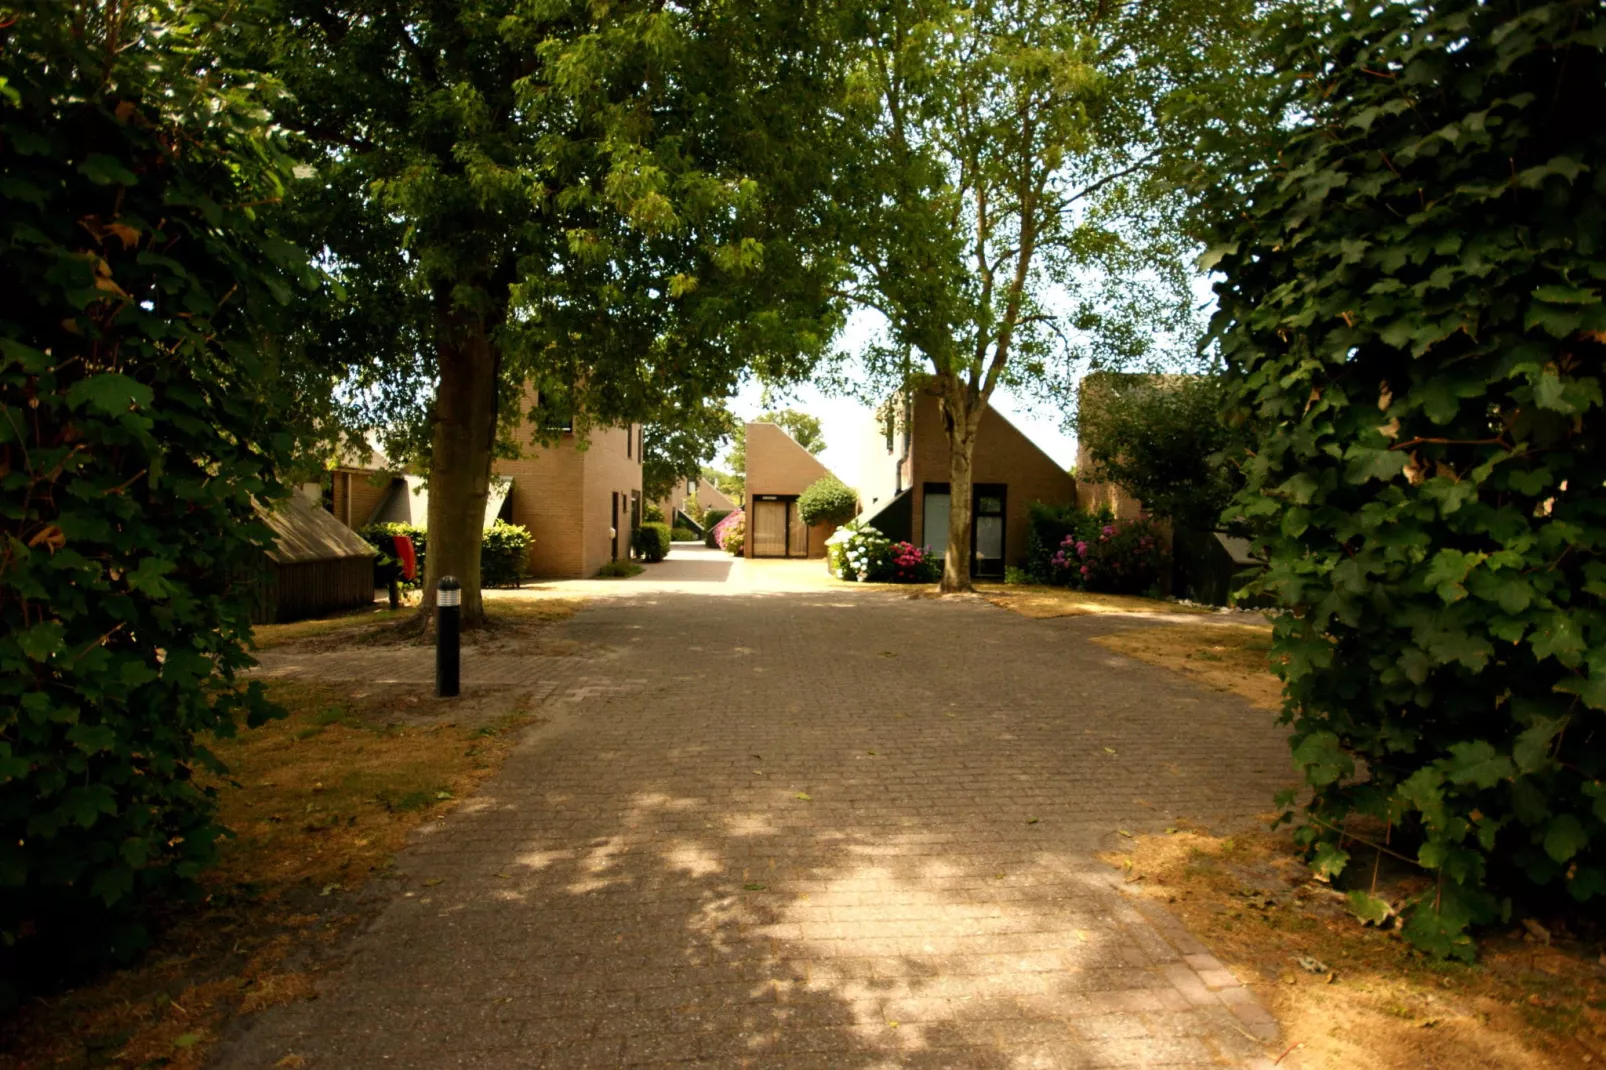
143	405
609	211
675	448
1163	439
1413	315
803	428
1015	157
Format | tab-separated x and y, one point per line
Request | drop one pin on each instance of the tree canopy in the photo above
593	216
1161	438
1016	198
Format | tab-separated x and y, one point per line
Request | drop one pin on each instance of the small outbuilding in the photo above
317	565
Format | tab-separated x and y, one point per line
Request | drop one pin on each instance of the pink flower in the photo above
1081	549
1109	529
1085	570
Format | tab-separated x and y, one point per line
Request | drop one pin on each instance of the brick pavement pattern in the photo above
807	829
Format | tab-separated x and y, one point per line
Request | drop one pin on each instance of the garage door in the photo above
769	528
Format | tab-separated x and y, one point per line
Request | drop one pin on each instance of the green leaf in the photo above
1565	836
1477	763
1329	860
42	641
1320	757
1369	908
112	393
1566	295
1366	464
1532	749
105	170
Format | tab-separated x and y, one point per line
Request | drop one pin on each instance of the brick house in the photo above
580	505
778	471
705	493
903	481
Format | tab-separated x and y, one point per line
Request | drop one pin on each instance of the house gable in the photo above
777	464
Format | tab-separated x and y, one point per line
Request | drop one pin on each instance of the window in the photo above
934	516
691	487
630	437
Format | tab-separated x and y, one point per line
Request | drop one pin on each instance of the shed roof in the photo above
304	532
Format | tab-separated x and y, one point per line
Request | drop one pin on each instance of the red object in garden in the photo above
406	555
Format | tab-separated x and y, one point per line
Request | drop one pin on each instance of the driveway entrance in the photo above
831	827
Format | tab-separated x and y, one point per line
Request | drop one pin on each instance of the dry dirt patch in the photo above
318	802
1347	996
1040	603
1222	657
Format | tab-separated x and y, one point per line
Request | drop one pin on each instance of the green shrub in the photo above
1048	526
613	570
387	567
684	535
1120	557
1412	311
710	520
828	501
1016	576
505	555
651	542
652	514
141	419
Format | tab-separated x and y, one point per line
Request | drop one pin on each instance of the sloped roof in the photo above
304	532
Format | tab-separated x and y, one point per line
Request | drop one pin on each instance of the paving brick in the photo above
670	898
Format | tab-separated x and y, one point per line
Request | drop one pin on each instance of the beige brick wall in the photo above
1003	455
563	495
547	486
609	469
357	493
776	464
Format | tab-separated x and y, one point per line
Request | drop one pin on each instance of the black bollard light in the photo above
448	626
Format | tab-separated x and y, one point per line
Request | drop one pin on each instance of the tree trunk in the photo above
460	462
961	417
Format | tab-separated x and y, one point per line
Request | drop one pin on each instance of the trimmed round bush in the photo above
828	501
504	555
651	542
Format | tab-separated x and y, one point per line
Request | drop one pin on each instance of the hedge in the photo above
1414	314
142	423
651	542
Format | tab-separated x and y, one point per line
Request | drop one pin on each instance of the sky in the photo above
844	420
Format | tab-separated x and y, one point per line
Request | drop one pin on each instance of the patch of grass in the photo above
1375	1002
268	636
1222	657
619	570
505	606
1040	602
318	802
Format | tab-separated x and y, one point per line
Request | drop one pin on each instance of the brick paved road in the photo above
809	829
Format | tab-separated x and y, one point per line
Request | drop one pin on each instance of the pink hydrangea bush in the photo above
1125	557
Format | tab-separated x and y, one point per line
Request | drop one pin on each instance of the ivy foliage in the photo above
1412	310
138	430
828	500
